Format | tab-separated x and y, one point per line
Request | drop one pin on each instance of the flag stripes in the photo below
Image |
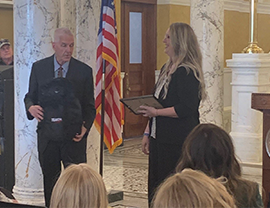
108	50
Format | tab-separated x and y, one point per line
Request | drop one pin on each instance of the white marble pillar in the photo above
87	14
68	18
250	73
206	18
82	17
34	24
67	15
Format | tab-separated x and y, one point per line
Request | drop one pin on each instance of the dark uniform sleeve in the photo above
88	103
31	98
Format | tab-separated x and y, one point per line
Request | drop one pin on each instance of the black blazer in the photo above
183	95
79	74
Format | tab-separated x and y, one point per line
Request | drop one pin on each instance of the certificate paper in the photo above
134	103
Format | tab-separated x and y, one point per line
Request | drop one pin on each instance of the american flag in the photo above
108	50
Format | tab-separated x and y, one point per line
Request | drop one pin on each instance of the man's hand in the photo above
37	112
78	137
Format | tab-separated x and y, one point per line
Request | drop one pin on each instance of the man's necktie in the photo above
60	72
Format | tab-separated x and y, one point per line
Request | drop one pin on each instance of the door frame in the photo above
150	63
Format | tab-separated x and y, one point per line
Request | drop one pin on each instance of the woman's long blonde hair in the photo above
190	189
79	186
188	54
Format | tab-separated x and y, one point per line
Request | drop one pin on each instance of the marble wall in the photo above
82	17
87	13
35	22
207	21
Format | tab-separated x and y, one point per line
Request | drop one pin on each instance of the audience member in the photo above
79	186
6	53
190	189
209	148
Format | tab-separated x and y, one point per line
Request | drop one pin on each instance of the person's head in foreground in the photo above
210	149
79	186
192	189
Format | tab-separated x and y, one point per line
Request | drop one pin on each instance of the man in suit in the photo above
61	64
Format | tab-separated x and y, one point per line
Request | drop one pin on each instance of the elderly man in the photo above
6	53
53	151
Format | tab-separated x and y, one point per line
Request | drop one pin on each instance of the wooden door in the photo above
138	57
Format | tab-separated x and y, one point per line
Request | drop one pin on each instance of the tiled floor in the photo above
127	170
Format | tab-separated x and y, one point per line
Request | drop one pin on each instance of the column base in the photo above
252	171
29	196
252	168
248	147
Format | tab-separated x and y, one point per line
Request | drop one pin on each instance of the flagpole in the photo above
102	116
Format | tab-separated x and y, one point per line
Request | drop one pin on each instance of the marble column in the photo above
250	73
34	24
87	14
82	18
68	18
206	18
67	15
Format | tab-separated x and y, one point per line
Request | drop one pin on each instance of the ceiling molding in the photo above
175	2
6	4
231	5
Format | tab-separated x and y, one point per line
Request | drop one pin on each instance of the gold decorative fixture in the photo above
253	44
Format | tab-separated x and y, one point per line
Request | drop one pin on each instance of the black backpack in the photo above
62	118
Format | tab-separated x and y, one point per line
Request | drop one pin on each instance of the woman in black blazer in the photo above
180	88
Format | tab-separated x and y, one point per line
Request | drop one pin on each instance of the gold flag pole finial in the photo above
253	44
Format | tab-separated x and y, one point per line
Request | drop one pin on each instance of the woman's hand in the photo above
148	111
145	145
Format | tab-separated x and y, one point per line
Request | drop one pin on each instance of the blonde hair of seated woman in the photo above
79	186
190	189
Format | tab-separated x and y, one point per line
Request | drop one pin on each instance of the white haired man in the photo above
53	151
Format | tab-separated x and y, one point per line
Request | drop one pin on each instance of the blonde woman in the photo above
79	186
180	88
190	189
